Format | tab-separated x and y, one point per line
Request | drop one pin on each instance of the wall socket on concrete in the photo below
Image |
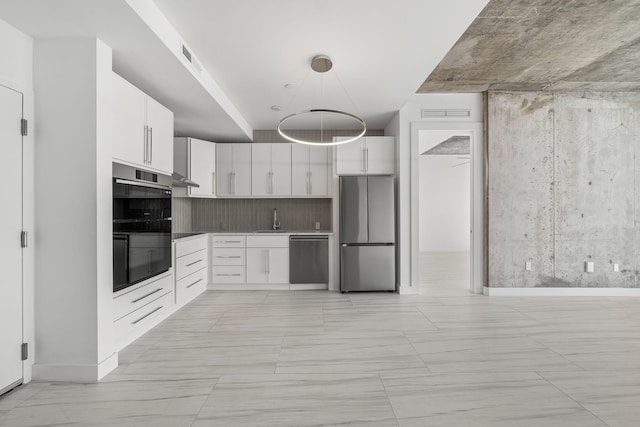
589	267
616	268
527	266
317	225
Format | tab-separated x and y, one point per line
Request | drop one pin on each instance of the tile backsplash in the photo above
211	215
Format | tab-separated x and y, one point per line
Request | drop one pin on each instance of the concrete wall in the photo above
563	175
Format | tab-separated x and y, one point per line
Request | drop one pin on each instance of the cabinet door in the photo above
224	169
261	179
128	122
319	171
281	169
202	167
300	169
278	265
160	145
242	169
350	158
257	265
380	155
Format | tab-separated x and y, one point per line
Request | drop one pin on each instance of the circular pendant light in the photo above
320	116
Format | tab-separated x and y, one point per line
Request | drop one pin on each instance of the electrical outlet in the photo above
527	266
317	225
616	268
589	267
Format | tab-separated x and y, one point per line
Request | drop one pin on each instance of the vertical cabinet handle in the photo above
366	160
213	183
150	145
364	168
146	142
272	183
233	175
309	182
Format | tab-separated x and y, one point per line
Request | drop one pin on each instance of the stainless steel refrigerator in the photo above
367	233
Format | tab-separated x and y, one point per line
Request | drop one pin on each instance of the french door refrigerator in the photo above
367	233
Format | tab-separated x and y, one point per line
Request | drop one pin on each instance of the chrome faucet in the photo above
276	223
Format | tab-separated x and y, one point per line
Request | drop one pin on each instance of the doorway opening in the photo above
447	240
444	212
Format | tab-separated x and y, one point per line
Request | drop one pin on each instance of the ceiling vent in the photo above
186	52
445	113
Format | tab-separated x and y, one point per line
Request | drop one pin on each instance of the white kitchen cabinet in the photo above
233	170
268	259
196	160
191	268
371	155
271	169
310	171
228	259
142	129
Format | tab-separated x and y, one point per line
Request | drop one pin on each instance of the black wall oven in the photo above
141	225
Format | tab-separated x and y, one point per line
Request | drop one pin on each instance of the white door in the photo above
224	169
350	158
261	179
281	169
242	169
278	265
380	153
257	265
201	167
160	123
300	169
128	122
319	171
10	248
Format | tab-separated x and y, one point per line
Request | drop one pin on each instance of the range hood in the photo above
180	181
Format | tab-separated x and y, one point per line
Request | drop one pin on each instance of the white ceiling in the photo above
382	52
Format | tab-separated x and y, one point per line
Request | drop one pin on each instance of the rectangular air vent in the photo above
445	113
188	55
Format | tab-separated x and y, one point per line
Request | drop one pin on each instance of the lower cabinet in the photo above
267	265
192	268
140	308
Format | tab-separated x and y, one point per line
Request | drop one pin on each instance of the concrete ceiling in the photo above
554	45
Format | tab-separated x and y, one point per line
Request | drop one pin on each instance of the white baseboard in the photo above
248	286
407	290
75	373
561	292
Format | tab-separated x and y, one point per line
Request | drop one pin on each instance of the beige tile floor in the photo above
442	358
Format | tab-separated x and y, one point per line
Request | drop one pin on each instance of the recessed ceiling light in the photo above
276	107
288	86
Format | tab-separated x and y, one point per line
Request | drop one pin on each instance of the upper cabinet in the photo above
233	170
310	171
371	155
271	169
142	129
195	159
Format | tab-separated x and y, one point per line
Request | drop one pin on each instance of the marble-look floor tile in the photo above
20	394
144	403
612	396
481	399
347	352
297	400
368	318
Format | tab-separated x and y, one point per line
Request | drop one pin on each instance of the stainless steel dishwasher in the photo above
308	259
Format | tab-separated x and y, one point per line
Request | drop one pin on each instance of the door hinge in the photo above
25	351
24	126
24	239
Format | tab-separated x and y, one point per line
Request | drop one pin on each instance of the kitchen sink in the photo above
272	231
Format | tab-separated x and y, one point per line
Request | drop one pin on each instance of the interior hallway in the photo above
381	359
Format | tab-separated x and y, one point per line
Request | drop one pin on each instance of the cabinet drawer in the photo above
137	322
191	263
228	256
191	286
267	241
229	274
228	241
190	246
130	301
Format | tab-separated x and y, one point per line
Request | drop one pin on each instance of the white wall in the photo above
72	80
16	72
445	192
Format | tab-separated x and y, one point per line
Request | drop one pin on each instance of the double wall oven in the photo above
141	225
